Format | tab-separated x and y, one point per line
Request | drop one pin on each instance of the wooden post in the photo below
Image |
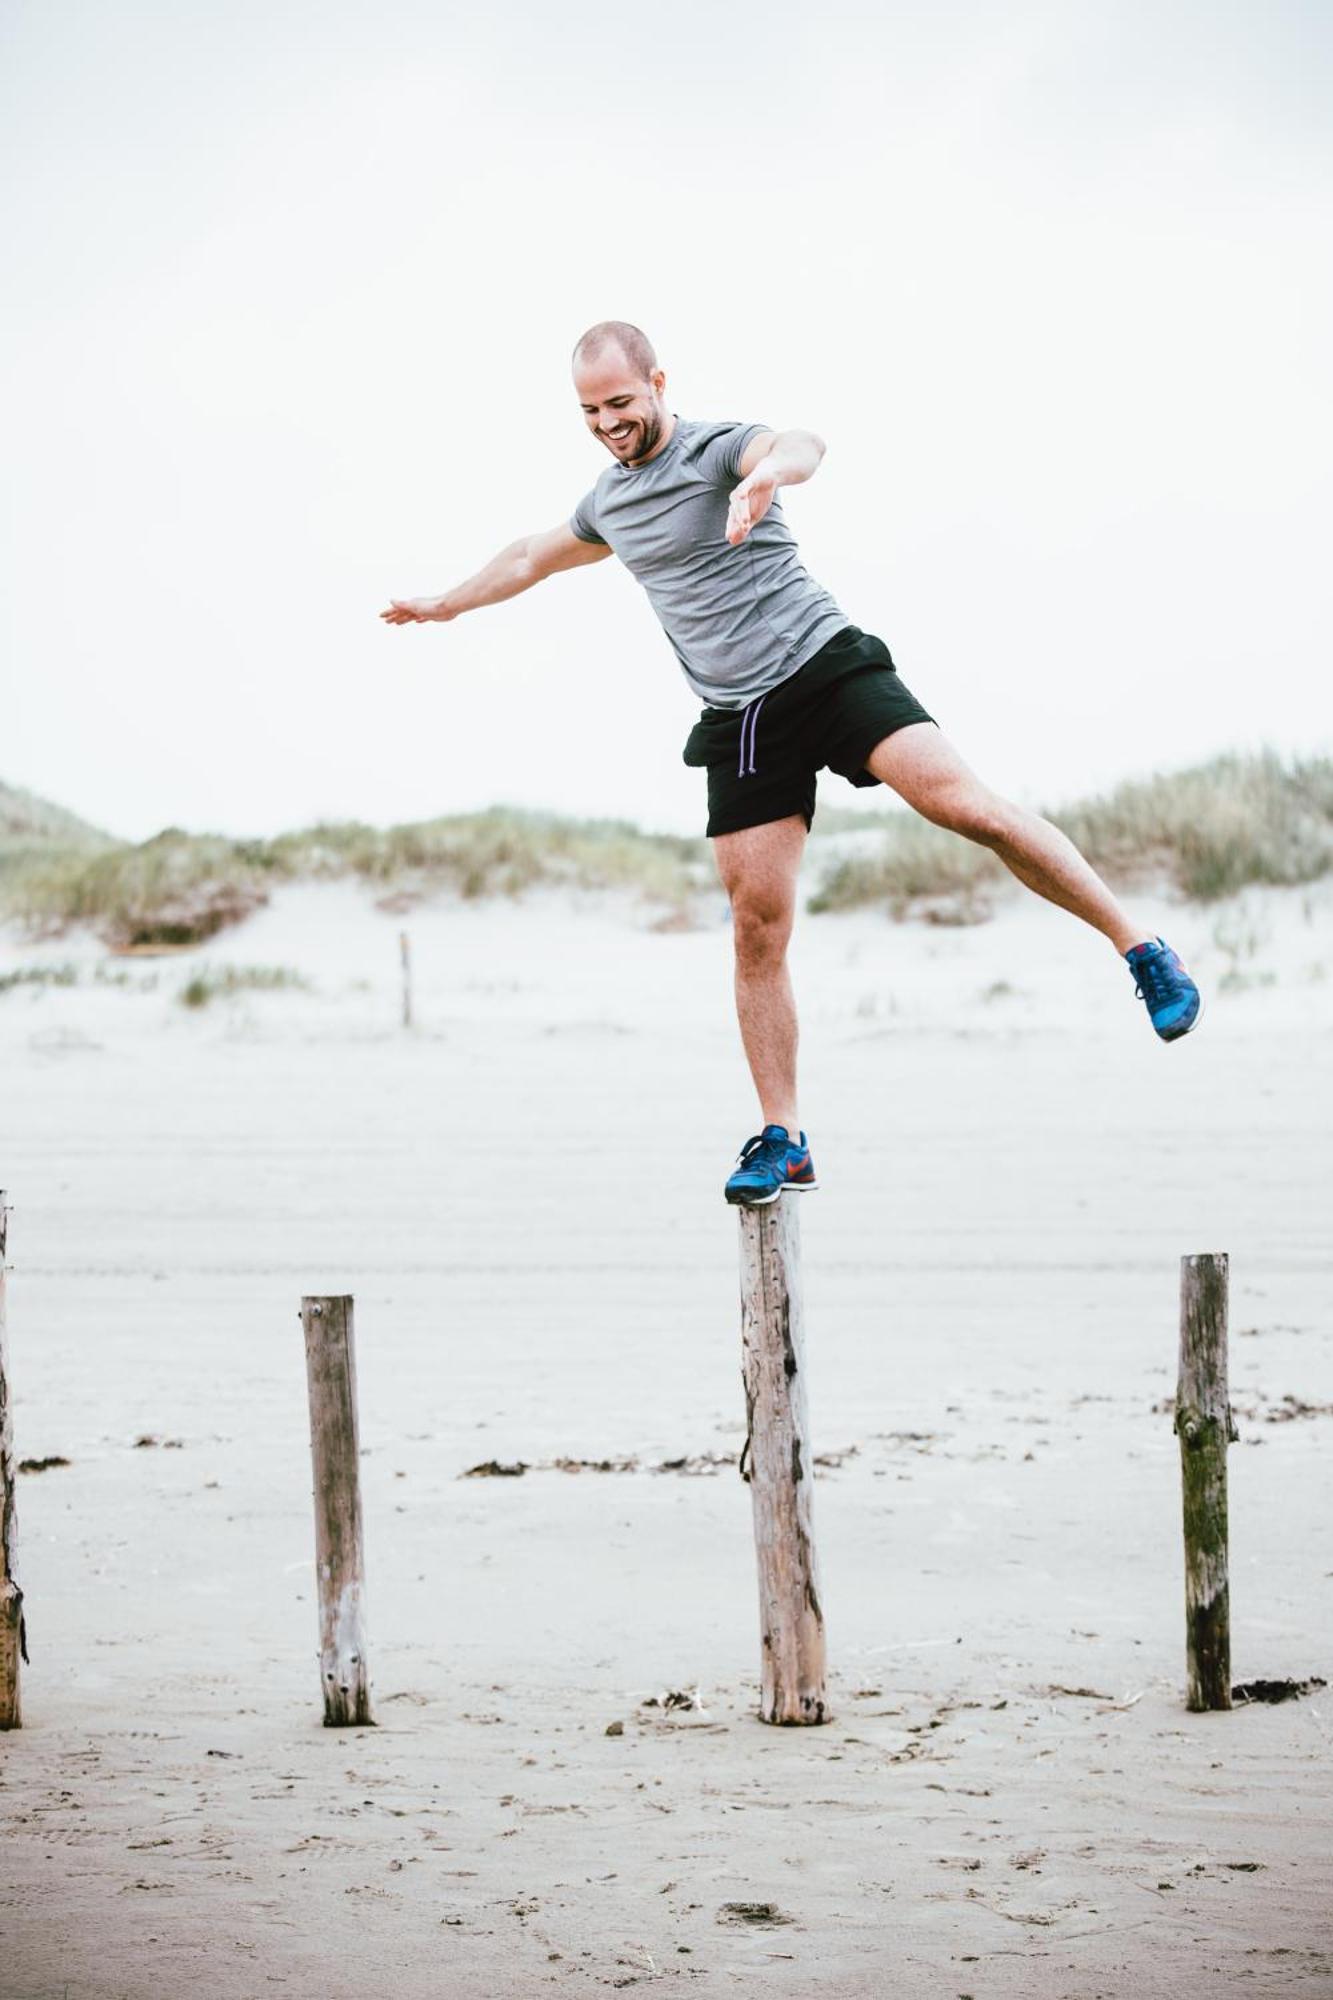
1205	1428
405	953
778	1462
12	1648
330	1360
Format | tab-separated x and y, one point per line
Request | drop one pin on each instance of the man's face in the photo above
623	411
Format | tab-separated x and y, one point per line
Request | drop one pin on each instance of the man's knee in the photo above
971	810
761	923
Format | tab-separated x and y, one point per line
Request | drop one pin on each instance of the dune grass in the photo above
223	982
1209	831
1217	828
173	890
39	975
27	821
498	852
915	865
179	889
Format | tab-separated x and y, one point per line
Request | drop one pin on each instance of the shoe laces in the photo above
1155	978
751	1150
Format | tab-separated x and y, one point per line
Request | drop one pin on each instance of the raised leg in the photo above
759	868
922	766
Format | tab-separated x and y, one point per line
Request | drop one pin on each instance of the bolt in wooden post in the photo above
330	1360
405	953
779	1465
12	1648
1205	1428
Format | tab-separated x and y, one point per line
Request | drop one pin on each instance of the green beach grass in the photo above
178	888
1208	831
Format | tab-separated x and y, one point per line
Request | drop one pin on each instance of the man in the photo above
791	687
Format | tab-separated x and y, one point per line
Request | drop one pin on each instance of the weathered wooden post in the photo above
405	954
779	1465
1205	1428
330	1360
12	1648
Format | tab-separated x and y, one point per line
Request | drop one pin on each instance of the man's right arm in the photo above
516	568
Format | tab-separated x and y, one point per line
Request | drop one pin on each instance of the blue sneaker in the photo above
1162	983
770	1165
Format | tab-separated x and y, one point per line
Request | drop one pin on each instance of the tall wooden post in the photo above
405	954
330	1360
12	1648
1205	1428
779	1465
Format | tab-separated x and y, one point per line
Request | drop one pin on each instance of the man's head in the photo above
620	389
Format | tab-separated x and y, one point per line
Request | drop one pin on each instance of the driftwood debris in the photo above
1204	1425
339	1566
779	1464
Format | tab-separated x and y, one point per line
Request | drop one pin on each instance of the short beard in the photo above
652	437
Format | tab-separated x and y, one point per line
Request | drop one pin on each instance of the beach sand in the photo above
523	1194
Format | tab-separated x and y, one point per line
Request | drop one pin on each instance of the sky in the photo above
290	292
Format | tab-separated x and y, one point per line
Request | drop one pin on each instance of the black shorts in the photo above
762	759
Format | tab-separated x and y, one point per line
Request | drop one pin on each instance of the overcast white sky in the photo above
289	297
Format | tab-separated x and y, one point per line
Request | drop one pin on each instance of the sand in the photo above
522	1193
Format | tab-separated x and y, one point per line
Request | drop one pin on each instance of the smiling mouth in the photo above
619	437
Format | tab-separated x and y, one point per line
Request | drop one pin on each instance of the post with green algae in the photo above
330	1357
779	1465
12	1649
1205	1428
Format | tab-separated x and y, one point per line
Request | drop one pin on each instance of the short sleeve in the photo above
584	519
720	459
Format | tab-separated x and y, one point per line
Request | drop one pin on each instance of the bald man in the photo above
790	687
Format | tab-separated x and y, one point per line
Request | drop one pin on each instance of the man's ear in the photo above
658	380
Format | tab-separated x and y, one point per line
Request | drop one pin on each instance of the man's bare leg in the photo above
922	766
759	869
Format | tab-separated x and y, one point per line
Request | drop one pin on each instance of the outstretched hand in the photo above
750	501
416	611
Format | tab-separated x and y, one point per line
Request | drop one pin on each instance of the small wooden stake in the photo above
12	1648
405	953
1205	1428
779	1465
330	1360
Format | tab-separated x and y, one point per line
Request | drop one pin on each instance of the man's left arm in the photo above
771	459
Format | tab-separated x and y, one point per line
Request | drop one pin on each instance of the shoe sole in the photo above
1180	1036
766	1200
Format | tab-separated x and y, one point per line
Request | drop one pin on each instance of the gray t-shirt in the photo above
740	620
